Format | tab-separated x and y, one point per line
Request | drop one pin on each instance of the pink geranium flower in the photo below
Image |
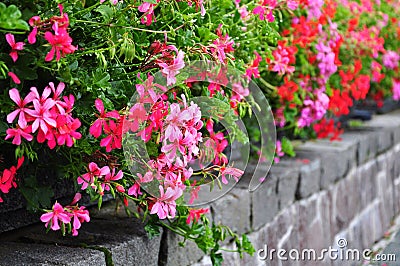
78	215
148	10
34	22
66	130
94	172
194	215
15	47
396	89
22	111
134	190
7	178
97	127
234	172
17	133
278	151
253	69
57	96
165	205
265	10
114	138
61	43
172	70
112	176
43	119
222	45
55	217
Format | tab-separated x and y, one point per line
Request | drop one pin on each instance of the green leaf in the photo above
247	246
216	259
101	79
36	196
99	202
152	230
106	11
10	18
287	147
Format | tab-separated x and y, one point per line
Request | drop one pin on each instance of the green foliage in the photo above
10	18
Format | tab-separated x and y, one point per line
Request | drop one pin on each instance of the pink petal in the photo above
14	55
99	105
14	77
11	116
46	217
14	95
10	39
50	54
32	36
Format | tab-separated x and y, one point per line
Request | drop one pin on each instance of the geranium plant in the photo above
110	94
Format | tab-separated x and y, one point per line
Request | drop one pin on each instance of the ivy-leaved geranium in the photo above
89	85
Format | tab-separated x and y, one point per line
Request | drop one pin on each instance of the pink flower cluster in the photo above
101	179
265	10
148	9
56	34
179	126
60	215
167	58
396	89
217	143
283	57
314	9
7	177
221	46
391	59
326	59
111	124
313	110
50	117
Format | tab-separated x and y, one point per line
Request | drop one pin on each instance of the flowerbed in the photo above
110	95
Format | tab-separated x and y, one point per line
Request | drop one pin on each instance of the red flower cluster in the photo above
326	128
340	102
7	177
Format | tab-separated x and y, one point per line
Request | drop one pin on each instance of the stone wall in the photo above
331	190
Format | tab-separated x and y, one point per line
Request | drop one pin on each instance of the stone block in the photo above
367	174
287	181
233	210
124	238
311	226
396	195
364	142
396	170
345	197
172	254
309	169
24	254
336	158
264	203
